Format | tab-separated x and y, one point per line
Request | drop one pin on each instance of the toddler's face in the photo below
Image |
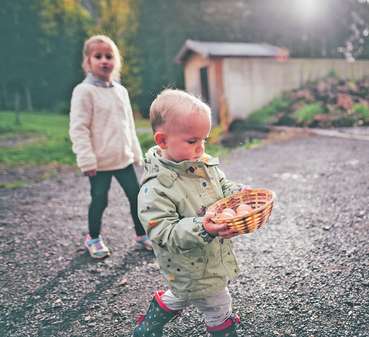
185	139
101	61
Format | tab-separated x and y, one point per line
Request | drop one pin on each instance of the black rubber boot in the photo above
227	329
158	314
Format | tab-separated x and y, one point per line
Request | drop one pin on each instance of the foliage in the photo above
307	113
44	42
146	140
42	45
20	28
216	150
215	135
142	123
119	20
165	25
328	102
362	110
266	114
63	25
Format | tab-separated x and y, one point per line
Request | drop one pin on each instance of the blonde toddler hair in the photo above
171	103
87	48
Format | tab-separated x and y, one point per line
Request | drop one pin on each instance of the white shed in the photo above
217	72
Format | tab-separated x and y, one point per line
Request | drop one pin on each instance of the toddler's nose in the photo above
200	148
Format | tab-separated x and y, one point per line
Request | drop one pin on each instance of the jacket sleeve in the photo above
136	147
79	129
228	187
163	224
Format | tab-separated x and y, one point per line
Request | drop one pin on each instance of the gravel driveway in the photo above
305	274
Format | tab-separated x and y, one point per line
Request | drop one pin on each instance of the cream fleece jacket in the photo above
102	128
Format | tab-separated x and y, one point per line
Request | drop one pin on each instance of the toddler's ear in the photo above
160	139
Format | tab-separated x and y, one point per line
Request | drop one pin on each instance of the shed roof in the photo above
227	49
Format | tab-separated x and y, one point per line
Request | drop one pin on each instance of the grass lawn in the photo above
42	140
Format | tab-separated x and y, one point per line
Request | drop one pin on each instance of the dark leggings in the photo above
100	185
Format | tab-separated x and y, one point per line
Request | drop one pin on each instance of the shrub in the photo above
343	121
215	135
362	110
267	114
146	140
306	114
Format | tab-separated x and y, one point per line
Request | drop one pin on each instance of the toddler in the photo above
104	140
179	183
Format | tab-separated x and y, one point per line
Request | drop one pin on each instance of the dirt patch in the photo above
21	176
282	134
20	139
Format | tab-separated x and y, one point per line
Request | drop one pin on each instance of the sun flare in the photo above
307	7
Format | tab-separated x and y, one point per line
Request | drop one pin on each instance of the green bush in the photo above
215	135
267	114
146	140
306	114
362	110
343	121
216	150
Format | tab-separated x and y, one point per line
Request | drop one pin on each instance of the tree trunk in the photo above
17	108
3	100
28	99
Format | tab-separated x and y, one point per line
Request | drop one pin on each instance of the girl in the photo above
103	134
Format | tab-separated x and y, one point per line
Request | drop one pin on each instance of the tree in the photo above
118	20
20	51
39	51
64	24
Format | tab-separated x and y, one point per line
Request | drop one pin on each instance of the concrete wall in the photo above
250	83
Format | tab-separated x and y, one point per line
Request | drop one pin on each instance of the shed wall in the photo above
250	83
215	81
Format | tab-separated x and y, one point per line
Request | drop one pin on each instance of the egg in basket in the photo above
244	211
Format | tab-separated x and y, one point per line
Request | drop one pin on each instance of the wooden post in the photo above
28	98
17	108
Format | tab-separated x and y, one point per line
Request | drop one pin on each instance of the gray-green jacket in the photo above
171	202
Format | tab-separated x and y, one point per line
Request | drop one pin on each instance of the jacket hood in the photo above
166	170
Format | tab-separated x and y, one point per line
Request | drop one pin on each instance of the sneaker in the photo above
143	242
96	247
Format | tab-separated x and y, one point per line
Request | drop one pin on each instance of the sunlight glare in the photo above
307	7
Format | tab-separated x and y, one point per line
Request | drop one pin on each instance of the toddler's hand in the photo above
228	233
217	229
90	173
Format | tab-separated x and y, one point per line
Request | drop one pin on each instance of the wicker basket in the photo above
261	201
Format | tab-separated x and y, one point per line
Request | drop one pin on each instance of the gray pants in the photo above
216	308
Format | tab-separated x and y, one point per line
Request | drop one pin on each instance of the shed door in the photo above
204	84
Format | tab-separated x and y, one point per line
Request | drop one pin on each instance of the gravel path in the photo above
305	274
